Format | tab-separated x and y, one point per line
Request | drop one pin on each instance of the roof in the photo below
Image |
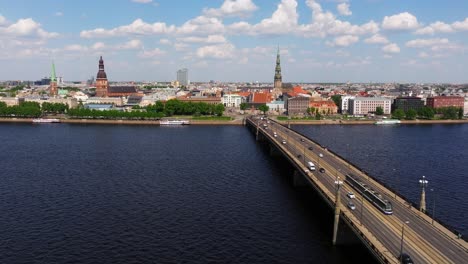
261	98
122	89
134	99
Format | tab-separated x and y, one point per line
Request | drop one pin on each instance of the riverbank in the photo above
236	122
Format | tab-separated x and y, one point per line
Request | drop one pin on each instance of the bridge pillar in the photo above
338	184
422	205
299	180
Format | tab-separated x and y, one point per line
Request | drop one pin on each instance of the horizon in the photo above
327	41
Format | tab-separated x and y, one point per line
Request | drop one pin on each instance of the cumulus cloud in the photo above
391	48
344	41
461	25
402	21
343	9
283	20
421	43
25	27
137	27
442	27
98	46
202	25
131	44
241	8
221	51
209	39
376	39
165	41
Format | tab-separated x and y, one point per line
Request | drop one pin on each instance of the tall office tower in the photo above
182	77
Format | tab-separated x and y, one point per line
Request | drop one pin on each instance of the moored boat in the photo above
388	122
46	120
174	122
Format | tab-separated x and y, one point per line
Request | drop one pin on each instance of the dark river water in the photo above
199	194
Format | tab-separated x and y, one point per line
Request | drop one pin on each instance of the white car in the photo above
351	205
351	195
321	155
284	141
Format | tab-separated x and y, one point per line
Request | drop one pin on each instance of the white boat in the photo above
174	122
46	120
388	122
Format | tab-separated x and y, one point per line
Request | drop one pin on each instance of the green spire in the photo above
52	75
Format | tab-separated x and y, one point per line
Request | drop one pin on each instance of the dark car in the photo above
311	148
322	170
299	156
405	259
302	139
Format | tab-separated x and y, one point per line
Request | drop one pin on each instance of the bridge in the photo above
403	229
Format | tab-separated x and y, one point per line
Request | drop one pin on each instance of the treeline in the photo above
176	107
450	112
26	109
113	114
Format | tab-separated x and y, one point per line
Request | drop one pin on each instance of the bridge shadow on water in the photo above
316	217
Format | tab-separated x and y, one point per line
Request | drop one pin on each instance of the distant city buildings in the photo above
103	89
368	105
445	101
407	103
182	77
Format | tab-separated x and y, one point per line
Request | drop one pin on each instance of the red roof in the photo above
244	94
261	98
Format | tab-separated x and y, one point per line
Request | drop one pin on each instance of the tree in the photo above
399	114
411	114
460	113
264	108
337	100
219	109
310	110
379	110
243	106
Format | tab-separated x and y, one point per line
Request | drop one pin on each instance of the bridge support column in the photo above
338	184
422	205
299	180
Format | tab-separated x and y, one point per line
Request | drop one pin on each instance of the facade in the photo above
121	91
278	80
367	105
101	80
297	105
201	99
232	100
445	101
182	77
324	107
407	103
117	101
465	111
276	106
344	103
53	90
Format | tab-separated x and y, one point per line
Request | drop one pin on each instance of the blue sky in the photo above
236	40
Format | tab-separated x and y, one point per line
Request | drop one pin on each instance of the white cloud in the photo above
142	1
202	25
344	41
391	48
402	21
26	27
461	25
283	20
181	46
98	46
343	9
421	43
376	39
437	27
241	8
137	27
131	44
209	39
75	47
165	41
2	20
221	51
151	53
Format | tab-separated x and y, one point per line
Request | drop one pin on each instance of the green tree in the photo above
379	110
310	110
264	108
318	116
398	114
411	114
460	113
243	106
219	109
337	100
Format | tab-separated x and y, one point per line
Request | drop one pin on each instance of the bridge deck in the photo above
426	241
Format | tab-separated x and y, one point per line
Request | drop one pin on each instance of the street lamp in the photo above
422	205
433	205
402	237
338	183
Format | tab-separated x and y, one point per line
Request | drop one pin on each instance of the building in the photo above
53	90
344	103
278	79
407	103
201	99
182	77
232	100
276	107
101	80
445	101
368	105
121	91
297	105
324	107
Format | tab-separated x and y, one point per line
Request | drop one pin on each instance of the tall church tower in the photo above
53	91
278	83
101	80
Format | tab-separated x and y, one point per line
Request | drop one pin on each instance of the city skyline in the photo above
236	40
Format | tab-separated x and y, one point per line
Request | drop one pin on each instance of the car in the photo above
351	205
351	195
284	141
311	148
321	155
322	170
405	259
275	135
299	156
302	140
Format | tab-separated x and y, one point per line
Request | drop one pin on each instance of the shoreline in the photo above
235	122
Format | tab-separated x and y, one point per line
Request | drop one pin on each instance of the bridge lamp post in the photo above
433	205
402	237
422	205
338	184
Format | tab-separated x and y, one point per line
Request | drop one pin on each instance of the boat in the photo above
46	120
388	122
174	122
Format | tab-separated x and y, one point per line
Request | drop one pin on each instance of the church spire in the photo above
53	77
278	79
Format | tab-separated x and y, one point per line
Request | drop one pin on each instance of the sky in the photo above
405	41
